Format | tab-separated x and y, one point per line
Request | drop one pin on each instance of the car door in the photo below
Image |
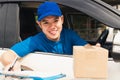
10	27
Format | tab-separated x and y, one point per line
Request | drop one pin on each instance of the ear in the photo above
38	23
62	19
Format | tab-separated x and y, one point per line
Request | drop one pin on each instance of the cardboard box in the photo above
90	62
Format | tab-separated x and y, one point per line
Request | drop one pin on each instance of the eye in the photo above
56	20
45	23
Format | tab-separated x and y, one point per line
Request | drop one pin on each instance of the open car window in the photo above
87	27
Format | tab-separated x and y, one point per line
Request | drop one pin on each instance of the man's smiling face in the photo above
52	27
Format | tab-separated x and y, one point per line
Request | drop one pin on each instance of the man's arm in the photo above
7	59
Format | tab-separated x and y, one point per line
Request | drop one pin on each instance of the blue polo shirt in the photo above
39	42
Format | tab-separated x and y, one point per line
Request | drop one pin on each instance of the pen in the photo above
13	63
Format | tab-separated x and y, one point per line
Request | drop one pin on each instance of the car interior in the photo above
87	27
27	23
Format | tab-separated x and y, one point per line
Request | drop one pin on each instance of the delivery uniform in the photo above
39	42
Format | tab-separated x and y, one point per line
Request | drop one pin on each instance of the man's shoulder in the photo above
39	34
67	31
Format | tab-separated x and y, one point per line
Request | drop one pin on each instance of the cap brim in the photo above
49	14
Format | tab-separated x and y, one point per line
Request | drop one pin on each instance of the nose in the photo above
52	25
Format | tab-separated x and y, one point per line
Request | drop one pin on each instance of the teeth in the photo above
53	32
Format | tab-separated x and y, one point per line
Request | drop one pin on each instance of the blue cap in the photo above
48	9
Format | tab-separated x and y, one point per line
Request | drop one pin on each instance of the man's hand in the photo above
89	45
98	45
9	60
16	67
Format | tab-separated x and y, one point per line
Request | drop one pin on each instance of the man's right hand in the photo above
17	67
7	58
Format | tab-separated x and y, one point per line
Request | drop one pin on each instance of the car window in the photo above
87	27
28	25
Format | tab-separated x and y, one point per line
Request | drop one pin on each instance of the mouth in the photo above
54	32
